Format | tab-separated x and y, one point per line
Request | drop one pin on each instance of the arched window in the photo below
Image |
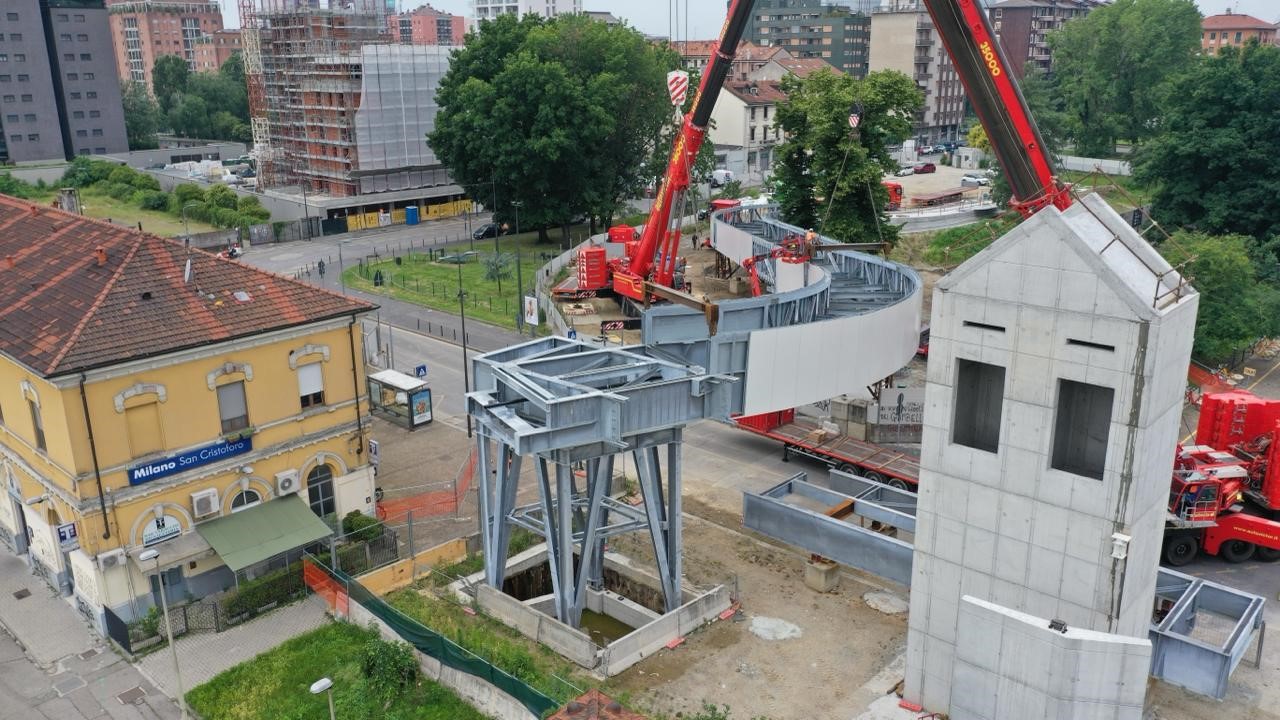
320	490
244	500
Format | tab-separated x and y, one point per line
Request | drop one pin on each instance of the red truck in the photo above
805	437
1227	502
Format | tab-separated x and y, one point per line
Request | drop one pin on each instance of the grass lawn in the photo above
497	643
1120	191
153	221
435	284
275	685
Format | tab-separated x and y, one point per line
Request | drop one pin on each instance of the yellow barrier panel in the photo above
401	573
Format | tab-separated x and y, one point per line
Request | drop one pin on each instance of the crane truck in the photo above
1225	495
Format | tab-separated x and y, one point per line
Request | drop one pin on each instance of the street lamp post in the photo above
148	556
466	373
306	209
324	685
519	275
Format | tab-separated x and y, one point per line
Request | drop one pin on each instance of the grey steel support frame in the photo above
569	405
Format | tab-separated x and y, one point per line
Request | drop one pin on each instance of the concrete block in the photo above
948	540
942	625
976	584
1049	527
1026	381
1044	571
1011	562
983	508
979	549
1035	332
1078	292
1040	286
1008	594
975	692
1080	581
821	576
939	657
1015	517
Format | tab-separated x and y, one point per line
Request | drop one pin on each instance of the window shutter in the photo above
310	379
231	401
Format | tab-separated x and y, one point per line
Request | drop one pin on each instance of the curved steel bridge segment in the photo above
832	326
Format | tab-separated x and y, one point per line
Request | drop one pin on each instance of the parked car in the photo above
926	149
974	180
905	171
923	168
486	230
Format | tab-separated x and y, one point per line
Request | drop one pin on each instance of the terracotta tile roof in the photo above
768	92
1232	21
63	311
747	51
804	67
594	705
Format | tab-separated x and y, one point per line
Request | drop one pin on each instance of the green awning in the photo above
262	532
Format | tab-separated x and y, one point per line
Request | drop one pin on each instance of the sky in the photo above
706	16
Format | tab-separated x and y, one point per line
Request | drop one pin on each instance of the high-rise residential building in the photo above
145	30
1022	26
427	26
837	32
59	94
903	38
215	48
1230	28
339	111
489	9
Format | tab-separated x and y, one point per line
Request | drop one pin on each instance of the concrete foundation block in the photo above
821	576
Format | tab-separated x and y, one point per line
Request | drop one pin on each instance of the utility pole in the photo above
519	275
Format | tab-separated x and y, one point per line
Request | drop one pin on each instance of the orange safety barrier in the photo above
321	583
432	502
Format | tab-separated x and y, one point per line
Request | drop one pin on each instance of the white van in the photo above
720	177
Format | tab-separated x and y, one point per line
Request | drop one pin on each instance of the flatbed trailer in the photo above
805	437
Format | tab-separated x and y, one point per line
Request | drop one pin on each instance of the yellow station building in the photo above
153	396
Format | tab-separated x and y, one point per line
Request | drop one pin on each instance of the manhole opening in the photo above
23	593
131	696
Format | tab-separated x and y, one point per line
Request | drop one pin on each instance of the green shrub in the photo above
185	193
390	668
123	174
146	626
84	172
274	587
120	190
9	185
151	199
360	527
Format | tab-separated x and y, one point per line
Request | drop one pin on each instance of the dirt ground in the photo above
843	643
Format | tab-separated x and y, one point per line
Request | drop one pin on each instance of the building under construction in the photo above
340	111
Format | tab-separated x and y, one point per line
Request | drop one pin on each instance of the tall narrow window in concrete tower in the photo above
145	434
979	397
311	385
232	409
37	424
1081	428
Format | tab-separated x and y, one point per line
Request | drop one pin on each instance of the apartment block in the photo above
836	32
1022	27
1227	29
146	30
59	93
216	48
743	130
903	38
696	55
427	26
489	9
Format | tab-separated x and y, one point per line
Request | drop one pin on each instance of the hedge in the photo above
277	586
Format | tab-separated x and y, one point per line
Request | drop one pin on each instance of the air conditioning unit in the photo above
205	503
287	483
110	559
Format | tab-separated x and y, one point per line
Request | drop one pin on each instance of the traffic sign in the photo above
421	370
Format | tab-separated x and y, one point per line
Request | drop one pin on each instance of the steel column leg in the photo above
509	484
596	486
483	493
651	490
549	527
564	542
596	578
675	520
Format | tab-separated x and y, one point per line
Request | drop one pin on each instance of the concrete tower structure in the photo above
1057	366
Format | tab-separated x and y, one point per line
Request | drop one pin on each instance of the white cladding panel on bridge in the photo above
801	364
733	243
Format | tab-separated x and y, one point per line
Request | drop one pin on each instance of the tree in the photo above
190	117
169	77
557	114
1235	309
829	175
233	68
141	116
1214	162
1110	65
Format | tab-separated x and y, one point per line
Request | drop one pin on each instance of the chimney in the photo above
9	262
101	254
